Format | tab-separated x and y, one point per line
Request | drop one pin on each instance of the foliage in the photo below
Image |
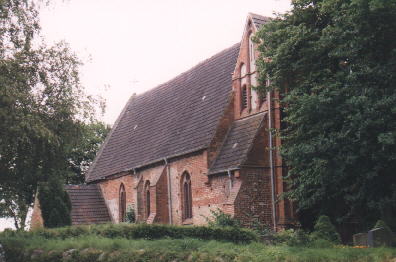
54	203
84	151
221	219
147	231
292	237
325	230
130	215
90	248
43	108
334	61
382	224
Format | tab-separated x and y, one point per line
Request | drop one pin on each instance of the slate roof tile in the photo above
88	205
237	143
170	119
259	20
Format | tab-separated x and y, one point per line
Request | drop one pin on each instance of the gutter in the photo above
271	160
169	191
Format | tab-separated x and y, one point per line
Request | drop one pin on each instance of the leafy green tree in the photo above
82	154
54	202
335	63
42	108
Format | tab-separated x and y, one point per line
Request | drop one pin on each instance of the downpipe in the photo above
271	160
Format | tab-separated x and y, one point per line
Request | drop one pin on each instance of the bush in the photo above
154	231
325	230
130	215
221	219
54	203
291	237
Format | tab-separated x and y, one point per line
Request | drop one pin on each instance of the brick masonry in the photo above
244	193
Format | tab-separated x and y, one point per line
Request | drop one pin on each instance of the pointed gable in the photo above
178	117
259	20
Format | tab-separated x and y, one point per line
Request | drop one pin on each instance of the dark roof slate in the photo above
236	146
177	117
88	205
259	20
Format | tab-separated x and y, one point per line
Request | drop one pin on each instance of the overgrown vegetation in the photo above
54	203
143	231
334	63
130	215
221	219
110	243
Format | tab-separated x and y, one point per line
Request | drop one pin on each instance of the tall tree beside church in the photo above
82	154
42	108
335	60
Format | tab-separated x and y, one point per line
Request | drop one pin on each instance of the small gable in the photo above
237	144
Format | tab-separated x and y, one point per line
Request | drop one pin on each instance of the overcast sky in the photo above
130	46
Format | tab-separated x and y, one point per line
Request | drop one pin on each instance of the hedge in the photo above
145	231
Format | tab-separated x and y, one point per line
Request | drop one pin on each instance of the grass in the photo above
88	248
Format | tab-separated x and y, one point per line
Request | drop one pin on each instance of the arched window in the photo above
243	70
252	57
122	203
186	196
147	198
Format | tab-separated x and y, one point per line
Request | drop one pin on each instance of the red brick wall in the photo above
110	190
254	199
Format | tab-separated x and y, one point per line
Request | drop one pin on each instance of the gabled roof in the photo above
88	205
237	144
259	20
177	117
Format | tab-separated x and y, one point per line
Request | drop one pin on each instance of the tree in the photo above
82	154
55	203
334	61
42	108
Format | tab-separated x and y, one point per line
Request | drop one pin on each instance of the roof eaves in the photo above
152	162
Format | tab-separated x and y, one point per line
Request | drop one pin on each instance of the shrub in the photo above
221	219
291	237
54	203
324	229
130	215
382	224
154	231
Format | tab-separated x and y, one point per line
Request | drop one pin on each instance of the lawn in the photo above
90	247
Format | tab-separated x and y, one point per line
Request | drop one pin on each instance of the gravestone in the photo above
379	237
360	239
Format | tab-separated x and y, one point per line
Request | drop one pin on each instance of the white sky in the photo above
135	45
131	46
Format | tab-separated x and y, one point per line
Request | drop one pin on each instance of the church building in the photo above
199	142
